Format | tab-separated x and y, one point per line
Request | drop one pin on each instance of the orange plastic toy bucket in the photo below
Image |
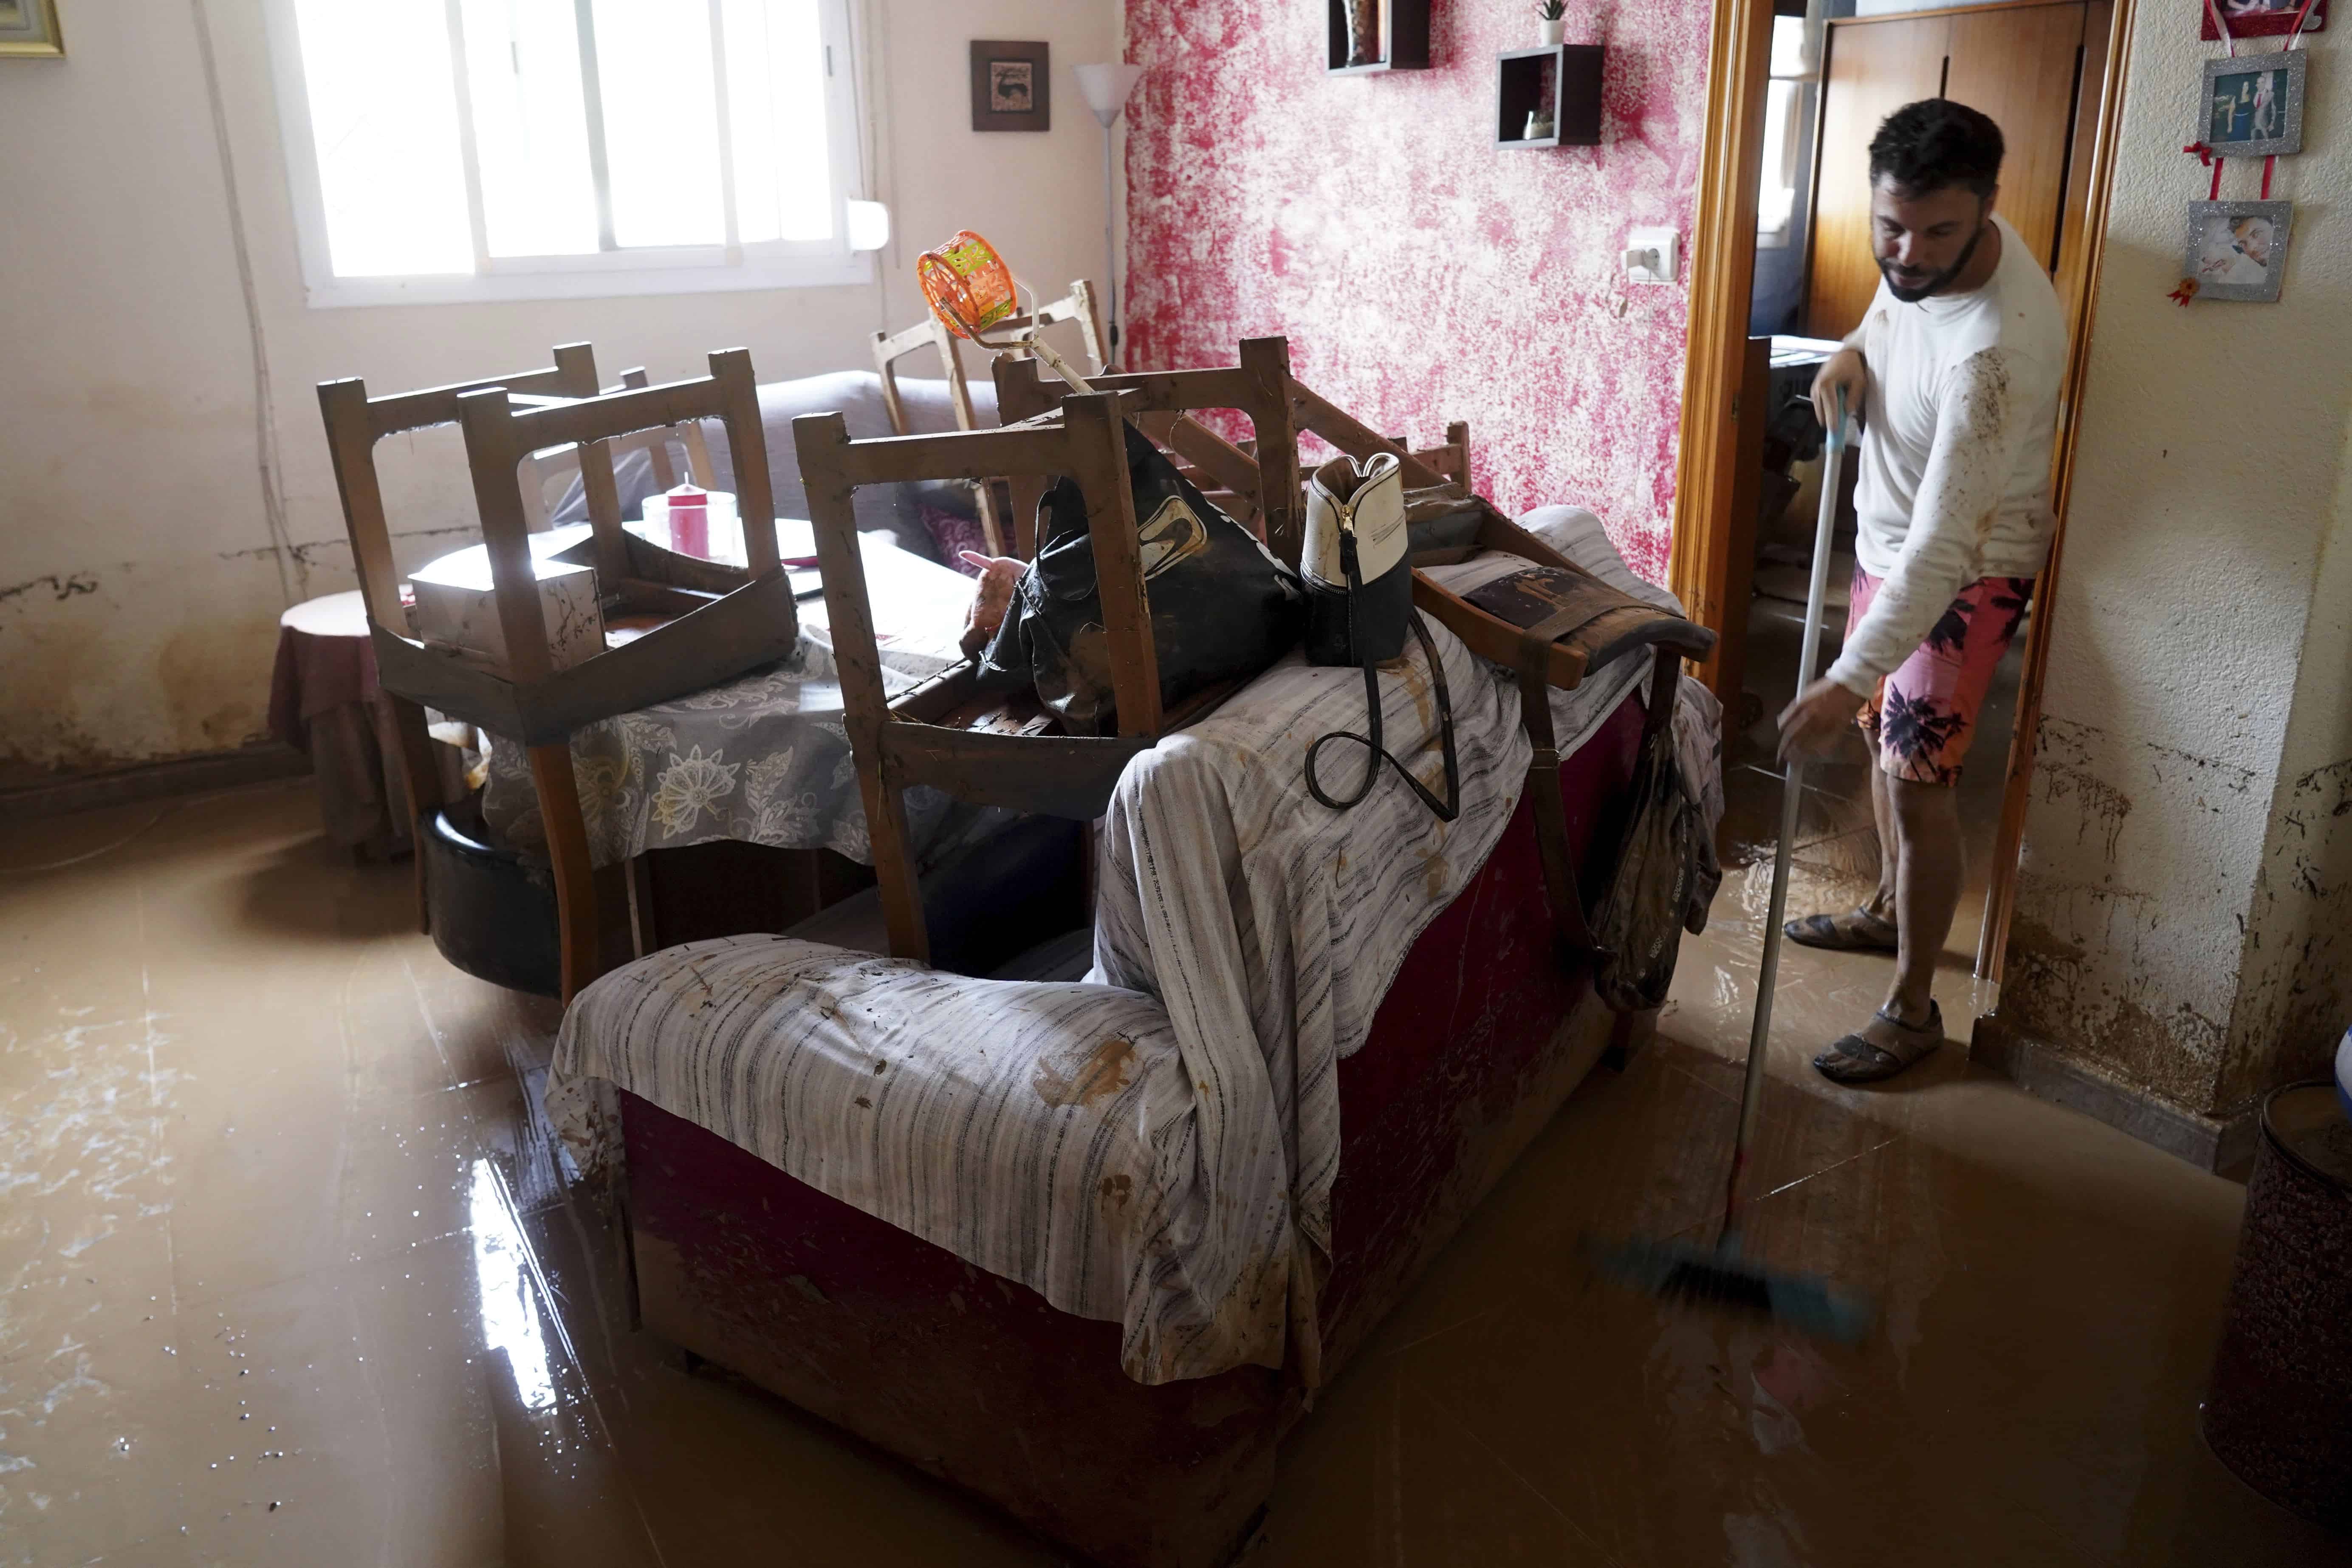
967	283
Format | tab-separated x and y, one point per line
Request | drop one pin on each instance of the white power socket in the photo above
1650	256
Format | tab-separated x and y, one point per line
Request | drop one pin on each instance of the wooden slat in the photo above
350	444
492	451
822	441
573	374
1351	435
1096	457
1274	423
618	413
747	439
956	455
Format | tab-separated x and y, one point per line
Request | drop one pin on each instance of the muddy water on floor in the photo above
288	1274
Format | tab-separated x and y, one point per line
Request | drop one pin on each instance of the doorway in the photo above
1782	268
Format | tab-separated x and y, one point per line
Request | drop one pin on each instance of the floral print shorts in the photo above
1920	719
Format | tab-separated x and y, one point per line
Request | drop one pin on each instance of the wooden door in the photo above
2017	65
1876	65
2073	225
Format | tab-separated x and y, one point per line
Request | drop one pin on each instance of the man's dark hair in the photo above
1928	145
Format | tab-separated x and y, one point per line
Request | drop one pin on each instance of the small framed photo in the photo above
2252	105
2237	250
28	30
2260	18
1012	87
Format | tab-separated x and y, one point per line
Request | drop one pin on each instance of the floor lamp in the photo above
1106	88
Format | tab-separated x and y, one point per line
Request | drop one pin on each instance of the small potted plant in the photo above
1549	12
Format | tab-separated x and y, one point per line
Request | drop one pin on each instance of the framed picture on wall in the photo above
2252	105
28	30
1012	87
2260	18
2237	250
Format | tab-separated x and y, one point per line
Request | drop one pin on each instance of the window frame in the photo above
668	269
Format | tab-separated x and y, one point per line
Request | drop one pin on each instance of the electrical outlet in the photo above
1650	256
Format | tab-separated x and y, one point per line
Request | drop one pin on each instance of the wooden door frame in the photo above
1722	280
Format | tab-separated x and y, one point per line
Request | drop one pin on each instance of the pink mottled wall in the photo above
1422	274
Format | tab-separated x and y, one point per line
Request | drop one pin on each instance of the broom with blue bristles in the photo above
1723	1275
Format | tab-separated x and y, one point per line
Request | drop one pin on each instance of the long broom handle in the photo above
1792	795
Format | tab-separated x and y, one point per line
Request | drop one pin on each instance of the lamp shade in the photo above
1106	87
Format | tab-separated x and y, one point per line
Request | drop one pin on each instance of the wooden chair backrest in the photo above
498	434
892	751
356	422
1261	482
540	469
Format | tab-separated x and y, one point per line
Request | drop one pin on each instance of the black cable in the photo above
1446	809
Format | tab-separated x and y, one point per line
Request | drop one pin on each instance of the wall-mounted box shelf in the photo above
1563	78
1404	39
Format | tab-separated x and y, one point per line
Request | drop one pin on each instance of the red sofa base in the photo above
978	1381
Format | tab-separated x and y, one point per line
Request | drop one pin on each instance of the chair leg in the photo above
420	782
894	869
567	848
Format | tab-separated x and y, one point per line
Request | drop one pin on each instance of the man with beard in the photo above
1954	372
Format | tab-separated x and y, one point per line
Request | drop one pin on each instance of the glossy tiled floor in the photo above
285	1277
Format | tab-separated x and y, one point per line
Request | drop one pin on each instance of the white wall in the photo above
141	572
2180	855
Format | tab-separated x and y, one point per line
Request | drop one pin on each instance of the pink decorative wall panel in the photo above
1422	274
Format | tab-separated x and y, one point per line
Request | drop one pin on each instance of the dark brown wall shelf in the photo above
1404	39
1566	78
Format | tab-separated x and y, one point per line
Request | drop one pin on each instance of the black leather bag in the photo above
1221	606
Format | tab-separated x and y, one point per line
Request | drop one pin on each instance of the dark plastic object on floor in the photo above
2279	1409
493	915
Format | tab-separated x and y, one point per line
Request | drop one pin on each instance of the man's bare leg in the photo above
1882	812
1871	925
1929	862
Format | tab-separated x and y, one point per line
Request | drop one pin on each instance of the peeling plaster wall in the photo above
2182	894
1421	273
140	579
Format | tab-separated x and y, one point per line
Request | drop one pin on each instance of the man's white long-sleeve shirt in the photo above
1959	419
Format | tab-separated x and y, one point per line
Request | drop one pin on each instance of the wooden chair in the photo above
540	469
710	622
355	423
943	733
1077	305
1262	496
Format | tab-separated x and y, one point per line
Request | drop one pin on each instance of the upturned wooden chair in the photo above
889	348
977	747
706	621
355	423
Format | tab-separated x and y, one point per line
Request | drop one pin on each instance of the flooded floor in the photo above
286	1278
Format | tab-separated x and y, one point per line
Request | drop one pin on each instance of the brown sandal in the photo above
1855	1059
1856	930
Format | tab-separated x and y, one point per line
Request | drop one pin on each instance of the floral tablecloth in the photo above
764	758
